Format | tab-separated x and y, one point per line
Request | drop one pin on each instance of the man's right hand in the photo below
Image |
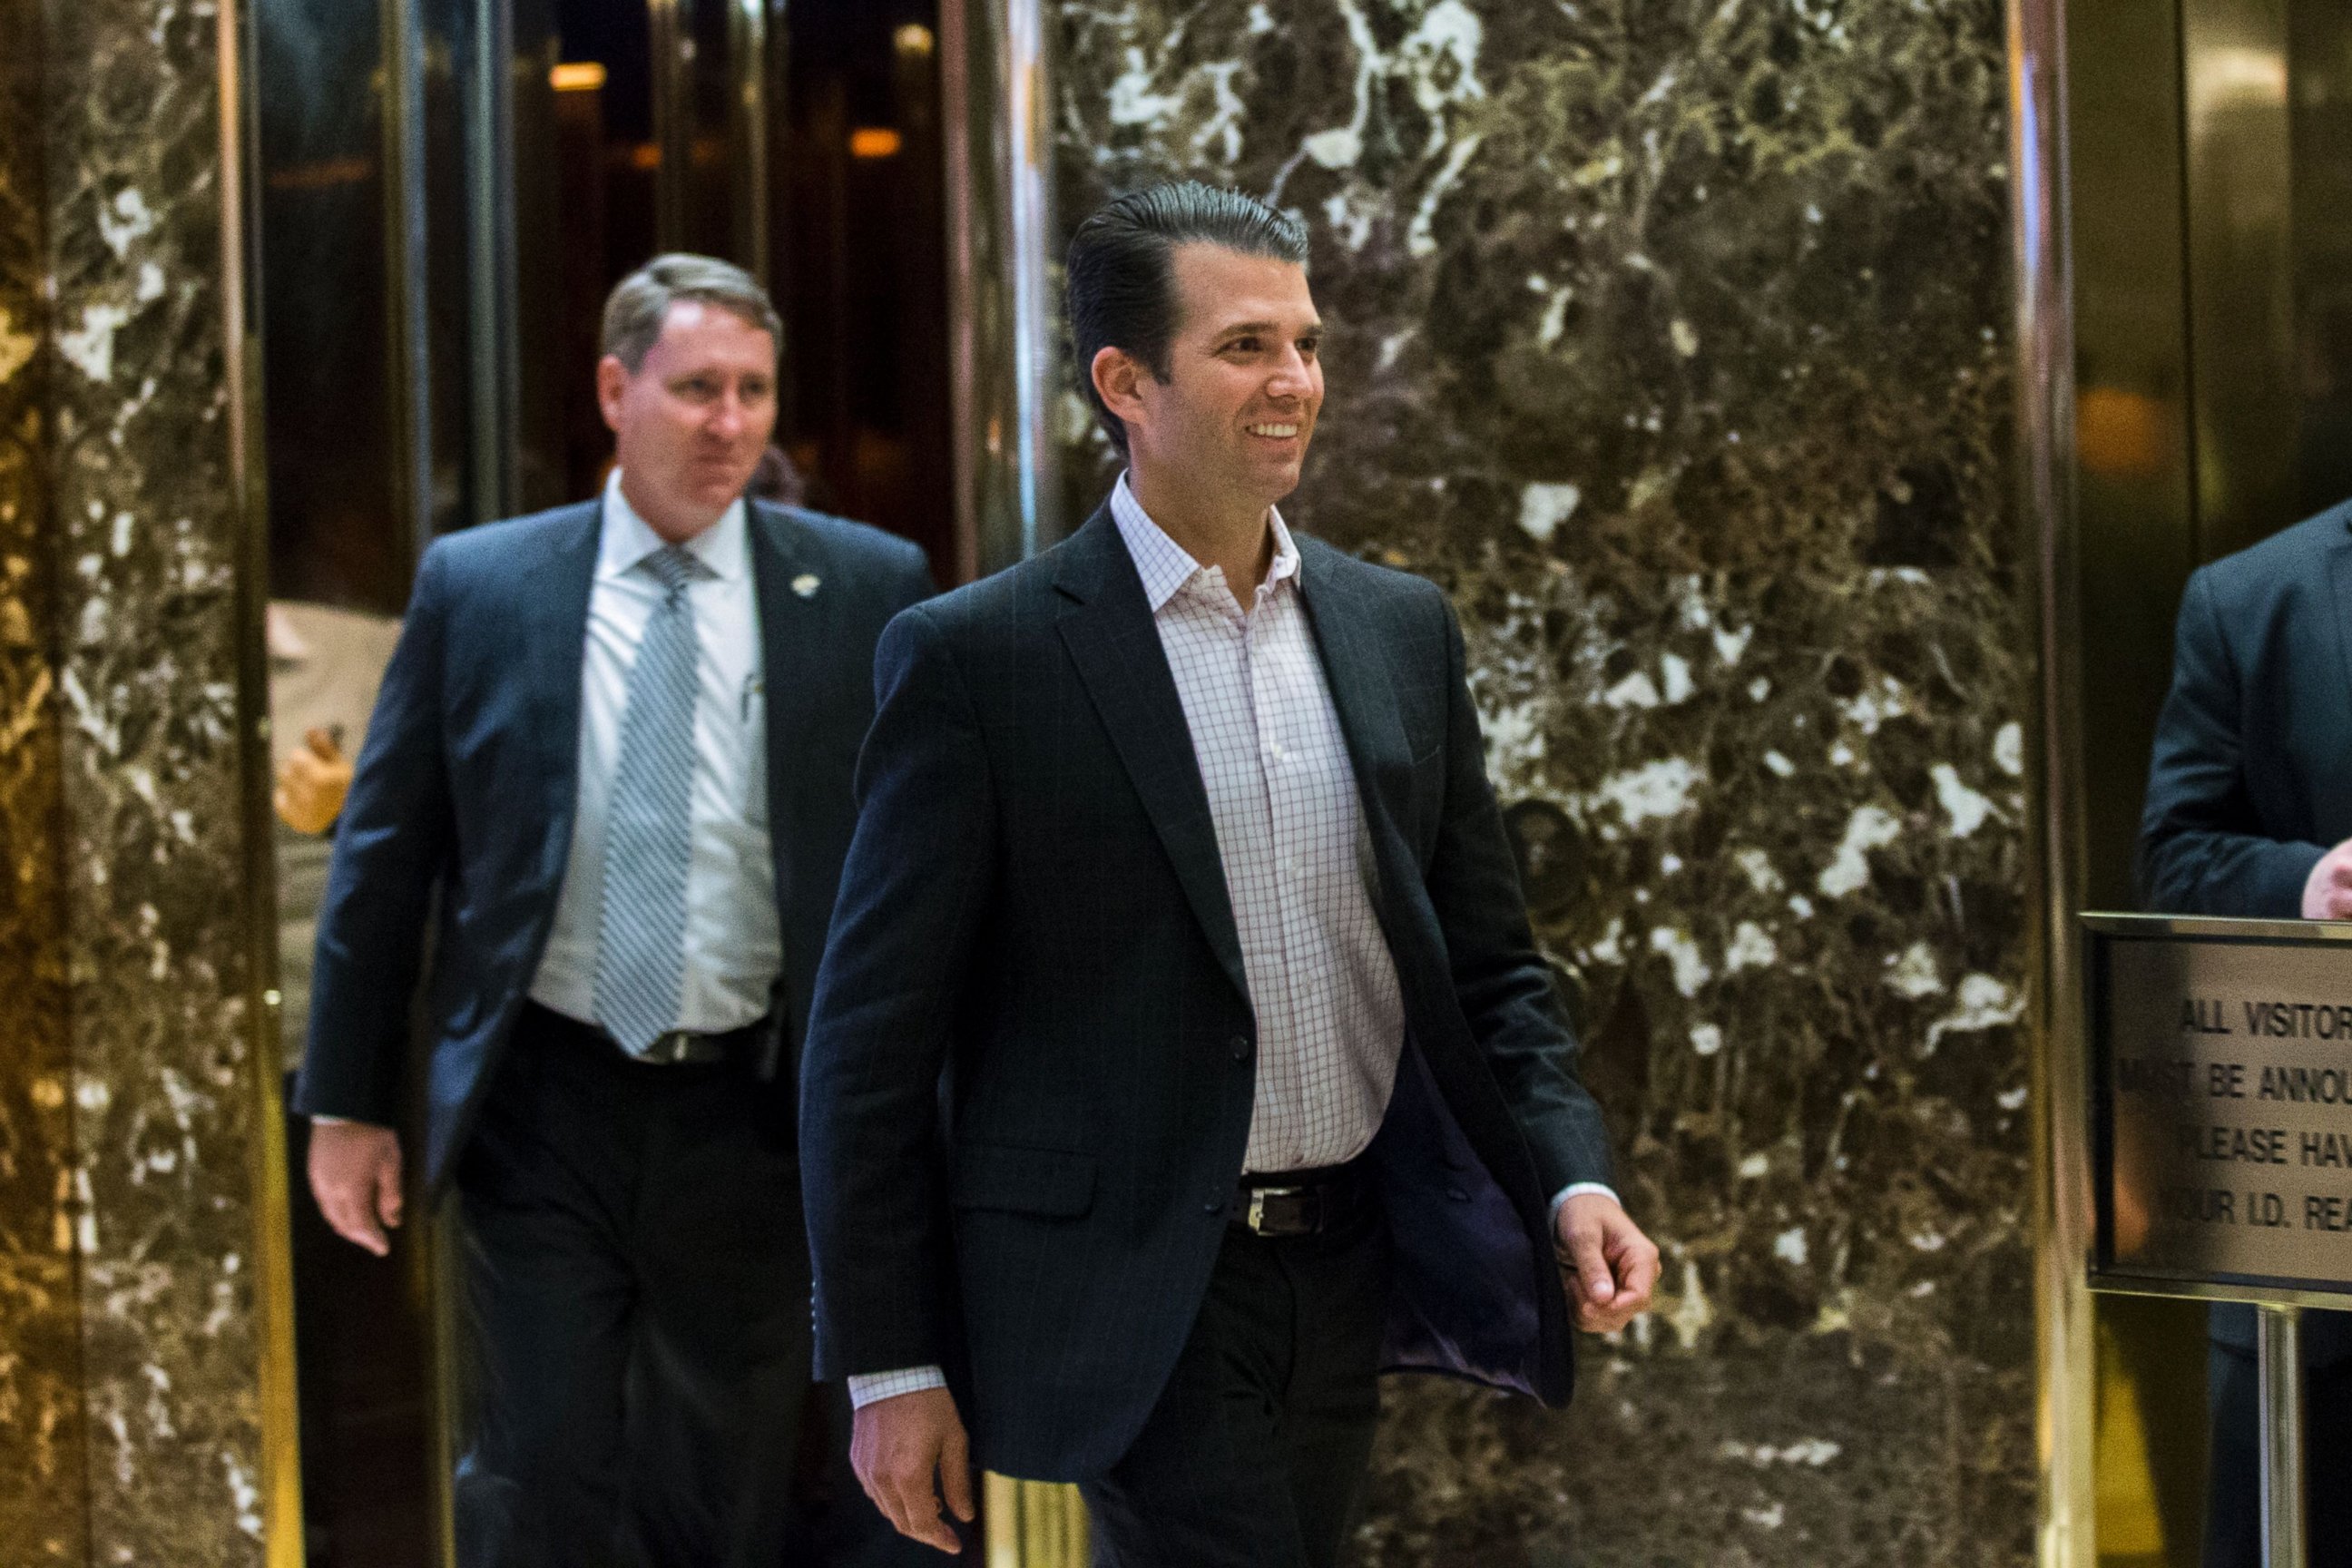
355	1176
909	1451
2327	892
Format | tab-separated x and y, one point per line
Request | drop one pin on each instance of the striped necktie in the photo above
648	829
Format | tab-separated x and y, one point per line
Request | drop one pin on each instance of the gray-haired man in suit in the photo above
613	751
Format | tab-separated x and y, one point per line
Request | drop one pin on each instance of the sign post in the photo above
2280	1350
2221	1139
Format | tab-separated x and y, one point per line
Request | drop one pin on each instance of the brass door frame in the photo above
2044	346
272	1251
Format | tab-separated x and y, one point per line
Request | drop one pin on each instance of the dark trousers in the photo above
637	1278
1256	1455
2233	1517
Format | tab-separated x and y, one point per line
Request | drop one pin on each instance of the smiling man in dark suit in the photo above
2249	812
1182	1059
613	753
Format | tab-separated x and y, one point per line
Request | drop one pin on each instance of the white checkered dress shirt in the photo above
1290	831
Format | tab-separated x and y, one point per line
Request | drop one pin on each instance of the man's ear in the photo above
1117	376
612	381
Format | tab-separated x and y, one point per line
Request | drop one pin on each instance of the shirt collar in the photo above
627	538
1166	566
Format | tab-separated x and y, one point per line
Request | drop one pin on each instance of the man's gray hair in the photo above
639	303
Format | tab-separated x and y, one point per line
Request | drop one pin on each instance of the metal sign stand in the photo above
2279	1351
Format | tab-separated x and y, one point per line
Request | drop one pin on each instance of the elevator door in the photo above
2212	219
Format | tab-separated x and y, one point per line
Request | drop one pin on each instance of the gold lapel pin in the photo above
806	584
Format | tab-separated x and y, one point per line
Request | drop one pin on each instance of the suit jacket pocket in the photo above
1056	1183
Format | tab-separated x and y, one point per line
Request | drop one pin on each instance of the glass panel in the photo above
586	159
335	535
859	254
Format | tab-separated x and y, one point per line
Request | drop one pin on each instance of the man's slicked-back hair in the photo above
1120	277
639	304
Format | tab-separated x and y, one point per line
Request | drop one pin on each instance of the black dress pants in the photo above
2233	1519
637	1278
1256	1455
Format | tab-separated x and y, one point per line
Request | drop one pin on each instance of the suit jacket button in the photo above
1241	1046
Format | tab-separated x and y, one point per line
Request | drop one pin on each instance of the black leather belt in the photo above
1299	1203
678	1048
681	1047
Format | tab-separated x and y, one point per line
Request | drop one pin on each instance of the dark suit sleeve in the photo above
390	845
2201	847
1502	983
918	876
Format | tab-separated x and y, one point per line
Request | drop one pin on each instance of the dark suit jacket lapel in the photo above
554	639
1355	668
793	641
1109	630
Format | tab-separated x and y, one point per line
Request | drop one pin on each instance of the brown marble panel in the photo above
131	1095
1671	337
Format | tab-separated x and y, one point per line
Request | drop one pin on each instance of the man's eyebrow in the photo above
1312	329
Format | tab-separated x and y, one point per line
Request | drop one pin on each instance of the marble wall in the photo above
1672	336
130	1427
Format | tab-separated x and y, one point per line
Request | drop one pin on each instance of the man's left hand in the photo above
1609	1265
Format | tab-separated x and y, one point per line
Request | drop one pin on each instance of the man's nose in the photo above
728	416
1291	377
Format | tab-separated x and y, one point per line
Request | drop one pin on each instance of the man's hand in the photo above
355	1176
2327	892
1610	1265
312	784
898	1447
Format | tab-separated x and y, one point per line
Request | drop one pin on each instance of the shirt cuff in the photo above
866	1387
1576	1190
334	1121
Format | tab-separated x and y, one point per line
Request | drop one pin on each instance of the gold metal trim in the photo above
273	1253
406	306
1033	1524
670	33
494	383
747	60
2065	1365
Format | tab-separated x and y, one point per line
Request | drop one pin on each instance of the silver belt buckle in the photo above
669	1047
1257	1218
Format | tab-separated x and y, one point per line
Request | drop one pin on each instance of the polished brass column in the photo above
995	108
2065	1532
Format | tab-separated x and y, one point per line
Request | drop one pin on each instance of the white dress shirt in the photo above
1290	834
1298	860
733	947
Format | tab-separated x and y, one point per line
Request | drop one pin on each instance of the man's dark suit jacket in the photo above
1028	1083
2252	778
470	772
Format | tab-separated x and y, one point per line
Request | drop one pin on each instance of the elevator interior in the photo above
448	188
2211	216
